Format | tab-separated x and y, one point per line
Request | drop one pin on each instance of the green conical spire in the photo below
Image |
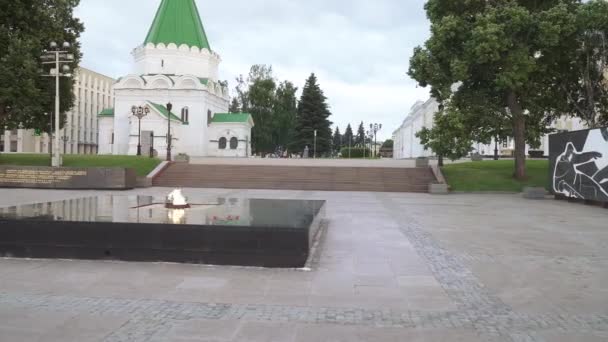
178	22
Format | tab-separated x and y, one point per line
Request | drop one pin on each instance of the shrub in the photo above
356	152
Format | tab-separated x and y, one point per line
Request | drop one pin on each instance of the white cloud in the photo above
360	49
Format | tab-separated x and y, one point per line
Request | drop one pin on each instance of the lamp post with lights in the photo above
58	56
140	112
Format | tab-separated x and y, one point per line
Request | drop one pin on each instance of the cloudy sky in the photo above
359	49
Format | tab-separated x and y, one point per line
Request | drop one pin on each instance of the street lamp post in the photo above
375	128
350	145
140	112
58	56
315	146
65	140
169	107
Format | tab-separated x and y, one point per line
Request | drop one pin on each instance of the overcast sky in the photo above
359	49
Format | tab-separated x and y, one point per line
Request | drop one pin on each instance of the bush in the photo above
356	152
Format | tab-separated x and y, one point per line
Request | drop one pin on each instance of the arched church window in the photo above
185	115
222	143
234	143
209	117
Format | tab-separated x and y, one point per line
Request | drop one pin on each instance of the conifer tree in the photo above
360	139
348	136
337	143
313	114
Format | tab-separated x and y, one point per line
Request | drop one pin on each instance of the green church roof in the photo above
164	111
230	117
107	112
178	22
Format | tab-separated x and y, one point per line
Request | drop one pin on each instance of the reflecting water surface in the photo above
148	209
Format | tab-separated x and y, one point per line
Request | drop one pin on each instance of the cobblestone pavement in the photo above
392	267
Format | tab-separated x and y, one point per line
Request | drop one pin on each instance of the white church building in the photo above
175	65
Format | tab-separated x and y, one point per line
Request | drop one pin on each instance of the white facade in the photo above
407	145
93	92
237	141
188	79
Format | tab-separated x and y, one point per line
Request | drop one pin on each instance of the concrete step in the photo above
296	177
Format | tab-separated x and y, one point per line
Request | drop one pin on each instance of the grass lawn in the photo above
143	166
495	175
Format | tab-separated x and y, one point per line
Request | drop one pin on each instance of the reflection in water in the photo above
177	216
151	210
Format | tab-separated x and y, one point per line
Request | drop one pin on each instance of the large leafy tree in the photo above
584	67
313	114
285	112
389	143
260	101
449	137
504	50
26	28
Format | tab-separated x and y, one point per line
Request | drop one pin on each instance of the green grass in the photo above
143	166
495	175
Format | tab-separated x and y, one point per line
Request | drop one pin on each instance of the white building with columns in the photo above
407	145
175	65
92	93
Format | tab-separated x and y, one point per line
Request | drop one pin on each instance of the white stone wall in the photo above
106	130
173	60
241	131
181	91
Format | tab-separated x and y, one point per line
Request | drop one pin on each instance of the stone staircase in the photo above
375	179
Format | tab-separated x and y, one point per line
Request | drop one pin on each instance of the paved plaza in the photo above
390	267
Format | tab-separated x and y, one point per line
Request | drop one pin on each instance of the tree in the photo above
337	140
235	107
285	112
389	143
313	114
348	136
260	103
583	82
27	29
449	137
505	50
361	136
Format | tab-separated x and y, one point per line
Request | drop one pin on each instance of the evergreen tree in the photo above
26	29
313	114
337	143
361	138
234	106
348	136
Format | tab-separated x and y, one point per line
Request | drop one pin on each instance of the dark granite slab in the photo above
41	177
220	231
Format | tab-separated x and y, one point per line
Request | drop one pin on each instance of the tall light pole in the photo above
58	56
169	107
350	145
315	146
374	129
140	112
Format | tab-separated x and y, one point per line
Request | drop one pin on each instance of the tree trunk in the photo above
440	161
519	135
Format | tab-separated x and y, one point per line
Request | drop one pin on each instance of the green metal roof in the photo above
107	112
204	81
178	22
231	117
164	112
